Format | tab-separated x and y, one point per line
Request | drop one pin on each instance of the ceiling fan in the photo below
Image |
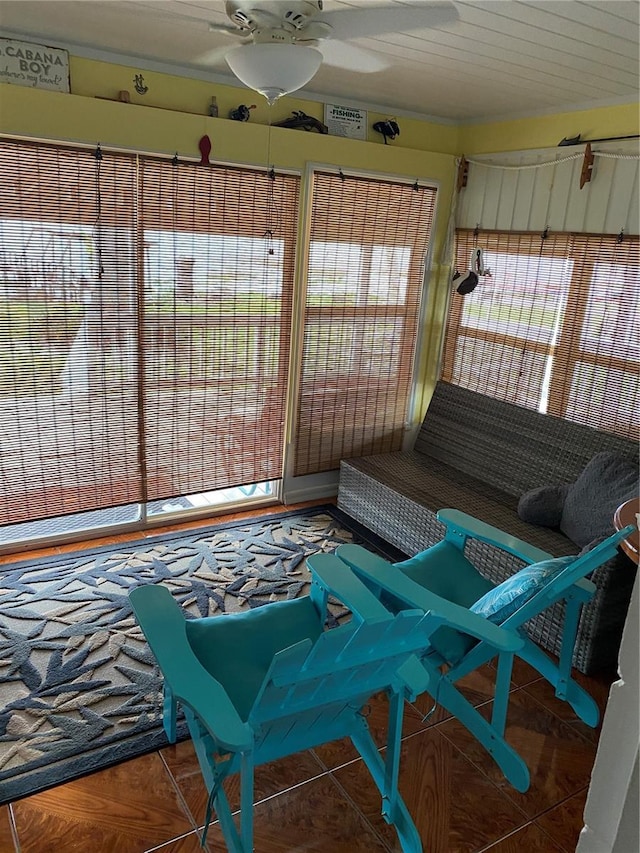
284	42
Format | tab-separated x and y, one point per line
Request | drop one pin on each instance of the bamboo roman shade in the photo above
219	264
145	322
555	328
365	273
67	331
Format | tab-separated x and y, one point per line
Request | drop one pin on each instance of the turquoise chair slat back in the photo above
574	574
359	658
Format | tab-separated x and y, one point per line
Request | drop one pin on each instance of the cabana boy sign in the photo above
26	64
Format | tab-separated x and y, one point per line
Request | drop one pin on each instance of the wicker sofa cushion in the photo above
606	482
434	484
512	448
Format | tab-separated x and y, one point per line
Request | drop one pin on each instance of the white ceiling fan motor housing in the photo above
254	15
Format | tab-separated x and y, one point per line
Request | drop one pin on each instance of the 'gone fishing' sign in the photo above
26	64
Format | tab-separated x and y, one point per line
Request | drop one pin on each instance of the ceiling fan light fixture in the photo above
274	70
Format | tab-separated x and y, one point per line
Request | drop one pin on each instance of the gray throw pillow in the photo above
543	506
607	481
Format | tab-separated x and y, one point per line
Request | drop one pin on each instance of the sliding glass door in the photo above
145	331
216	326
68	319
145	317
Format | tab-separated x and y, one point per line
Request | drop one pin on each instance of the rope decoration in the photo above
578	156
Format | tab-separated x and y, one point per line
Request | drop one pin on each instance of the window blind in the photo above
597	359
219	247
364	276
144	328
68	316
555	328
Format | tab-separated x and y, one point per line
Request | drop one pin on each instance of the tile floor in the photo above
324	800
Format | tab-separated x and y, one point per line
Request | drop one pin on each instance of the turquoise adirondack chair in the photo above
451	654
261	685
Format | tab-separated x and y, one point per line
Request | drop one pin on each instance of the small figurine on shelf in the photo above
303	121
213	108
241	113
389	129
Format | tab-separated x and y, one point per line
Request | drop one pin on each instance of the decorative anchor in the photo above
138	82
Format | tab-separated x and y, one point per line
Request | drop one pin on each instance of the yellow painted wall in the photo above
173	114
547	131
77	118
91	78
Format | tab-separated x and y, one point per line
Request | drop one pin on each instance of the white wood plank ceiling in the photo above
500	59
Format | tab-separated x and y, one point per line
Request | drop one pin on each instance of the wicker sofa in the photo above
480	455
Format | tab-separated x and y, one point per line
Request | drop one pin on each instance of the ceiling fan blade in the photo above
212	57
227	29
352	58
367	21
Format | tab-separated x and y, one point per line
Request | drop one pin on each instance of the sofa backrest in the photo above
507	446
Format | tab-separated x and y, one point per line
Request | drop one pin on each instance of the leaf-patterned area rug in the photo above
79	689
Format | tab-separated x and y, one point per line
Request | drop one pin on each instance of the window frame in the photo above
416	354
565	354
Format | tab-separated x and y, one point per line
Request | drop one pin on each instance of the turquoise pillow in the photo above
503	600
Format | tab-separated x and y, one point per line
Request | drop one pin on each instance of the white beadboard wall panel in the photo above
469	203
522	204
550	196
491	197
599	195
576	201
507	199
624	196
563	180
539	211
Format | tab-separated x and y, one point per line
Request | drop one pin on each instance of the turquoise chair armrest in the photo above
332	574
460	524
163	624
383	575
